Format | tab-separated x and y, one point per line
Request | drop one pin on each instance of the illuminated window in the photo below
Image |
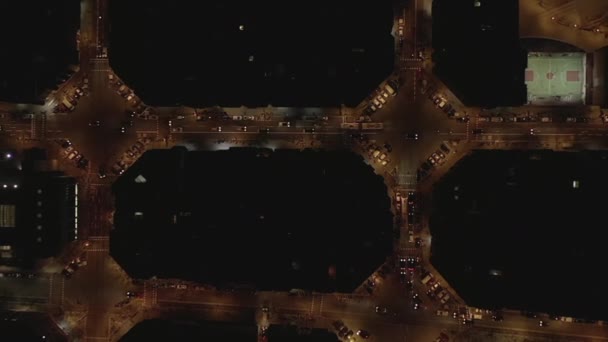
5	248
575	184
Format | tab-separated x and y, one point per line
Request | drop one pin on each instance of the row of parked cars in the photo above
347	334
381	96
121	89
17	275
128	158
441	101
547	117
436	159
379	154
69	102
71	154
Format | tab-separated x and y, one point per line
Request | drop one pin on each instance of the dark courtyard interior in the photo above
278	220
233	53
519	229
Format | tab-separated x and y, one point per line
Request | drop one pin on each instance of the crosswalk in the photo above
38	127
150	295
100	65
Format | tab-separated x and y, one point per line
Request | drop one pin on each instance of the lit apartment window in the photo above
5	248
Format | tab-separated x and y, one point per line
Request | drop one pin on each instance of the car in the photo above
132	294
72	154
411	136
402	264
443	337
65	143
244	128
67	271
381	310
102	172
432	161
435	156
140	145
497	316
363	334
477	131
95	123
542	323
118	169
464	119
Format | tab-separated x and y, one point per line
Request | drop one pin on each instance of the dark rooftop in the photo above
519	229
280	220
287	53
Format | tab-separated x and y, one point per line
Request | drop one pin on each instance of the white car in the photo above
72	155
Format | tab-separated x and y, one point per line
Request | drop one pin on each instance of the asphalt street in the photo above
95	294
